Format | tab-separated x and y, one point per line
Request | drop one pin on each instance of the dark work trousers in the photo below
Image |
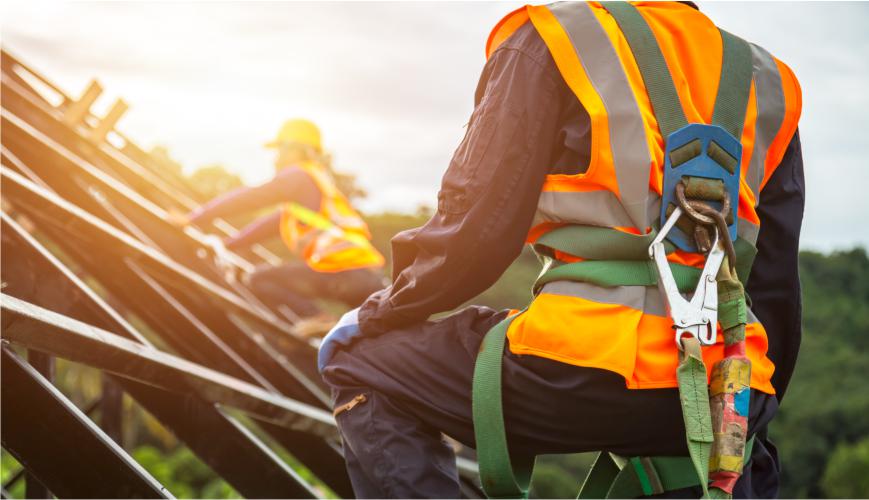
297	285
417	382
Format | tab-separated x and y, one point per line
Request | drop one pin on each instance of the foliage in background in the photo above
825	410
182	473
9	467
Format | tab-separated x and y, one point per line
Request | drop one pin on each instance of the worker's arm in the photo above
774	283
489	193
264	228
288	185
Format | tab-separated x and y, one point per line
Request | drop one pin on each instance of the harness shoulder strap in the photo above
653	67
734	84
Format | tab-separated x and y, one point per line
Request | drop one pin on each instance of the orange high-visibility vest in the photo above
626	329
333	239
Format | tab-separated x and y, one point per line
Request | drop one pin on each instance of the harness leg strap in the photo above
496	469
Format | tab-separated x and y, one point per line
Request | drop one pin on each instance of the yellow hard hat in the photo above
298	131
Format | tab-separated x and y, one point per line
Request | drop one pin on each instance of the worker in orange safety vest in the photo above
336	259
602	132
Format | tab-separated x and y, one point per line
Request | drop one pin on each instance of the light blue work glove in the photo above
342	334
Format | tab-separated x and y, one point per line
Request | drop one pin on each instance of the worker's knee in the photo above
345	369
392	448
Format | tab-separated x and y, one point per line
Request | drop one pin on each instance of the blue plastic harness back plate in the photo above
701	165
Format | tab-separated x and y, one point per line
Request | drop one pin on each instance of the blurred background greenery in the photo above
822	430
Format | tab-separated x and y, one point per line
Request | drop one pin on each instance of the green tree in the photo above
847	471
826	402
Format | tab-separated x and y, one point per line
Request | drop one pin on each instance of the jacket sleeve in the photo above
488	195
291	184
774	283
266	227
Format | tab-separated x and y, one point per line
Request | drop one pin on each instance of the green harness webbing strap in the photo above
653	67
734	84
590	242
611	273
694	396
599	243
496	469
607	244
613	476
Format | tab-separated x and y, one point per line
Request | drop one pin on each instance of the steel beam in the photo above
135	215
231	450
61	215
61	446
36	328
129	163
238	456
41	203
43	364
126	210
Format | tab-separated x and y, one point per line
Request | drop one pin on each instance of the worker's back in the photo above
567	149
626	328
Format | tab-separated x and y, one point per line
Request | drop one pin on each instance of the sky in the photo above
392	84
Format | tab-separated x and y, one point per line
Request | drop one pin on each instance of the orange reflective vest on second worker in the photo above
333	239
626	329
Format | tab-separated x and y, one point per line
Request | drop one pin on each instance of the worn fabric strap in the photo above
694	396
598	243
734	86
732	307
611	273
624	258
653	67
496	470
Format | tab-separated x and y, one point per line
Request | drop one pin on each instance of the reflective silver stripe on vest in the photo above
626	128
596	208
642	298
770	114
747	231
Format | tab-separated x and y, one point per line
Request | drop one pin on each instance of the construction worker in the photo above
315	221
570	137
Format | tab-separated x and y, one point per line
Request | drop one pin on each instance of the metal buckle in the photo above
702	164
699	316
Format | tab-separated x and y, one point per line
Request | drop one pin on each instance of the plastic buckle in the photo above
693	145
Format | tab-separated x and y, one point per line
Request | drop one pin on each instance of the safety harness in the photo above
701	183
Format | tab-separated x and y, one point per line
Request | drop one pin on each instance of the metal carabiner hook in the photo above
699	316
